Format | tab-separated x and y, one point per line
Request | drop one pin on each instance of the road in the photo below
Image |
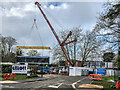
60	81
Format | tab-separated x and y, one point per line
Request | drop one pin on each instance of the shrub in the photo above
31	76
6	68
118	61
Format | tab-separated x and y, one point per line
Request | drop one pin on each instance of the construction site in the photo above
46	53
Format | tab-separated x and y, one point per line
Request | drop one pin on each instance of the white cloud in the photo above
64	5
16	12
52	6
45	6
29	7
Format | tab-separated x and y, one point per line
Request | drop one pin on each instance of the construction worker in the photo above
31	70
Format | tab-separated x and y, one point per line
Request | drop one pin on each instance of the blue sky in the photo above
54	3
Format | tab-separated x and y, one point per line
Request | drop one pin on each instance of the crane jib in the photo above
62	46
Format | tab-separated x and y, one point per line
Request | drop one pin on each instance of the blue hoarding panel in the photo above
101	71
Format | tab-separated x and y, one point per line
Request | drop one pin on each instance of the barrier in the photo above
78	71
95	76
9	76
118	84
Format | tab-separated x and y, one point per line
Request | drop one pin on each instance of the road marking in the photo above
8	82
6	86
73	85
54	86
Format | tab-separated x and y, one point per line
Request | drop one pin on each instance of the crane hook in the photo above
34	24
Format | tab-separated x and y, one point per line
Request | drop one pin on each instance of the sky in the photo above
18	19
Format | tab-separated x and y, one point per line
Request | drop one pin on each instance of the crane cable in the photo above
35	25
55	20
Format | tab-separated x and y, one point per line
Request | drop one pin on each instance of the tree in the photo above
109	23
71	48
87	44
0	47
6	44
118	62
10	41
108	26
109	56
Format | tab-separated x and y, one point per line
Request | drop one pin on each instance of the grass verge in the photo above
20	77
105	82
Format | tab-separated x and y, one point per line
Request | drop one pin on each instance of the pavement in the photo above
83	81
90	86
85	84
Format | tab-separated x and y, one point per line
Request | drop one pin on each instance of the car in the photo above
43	69
54	70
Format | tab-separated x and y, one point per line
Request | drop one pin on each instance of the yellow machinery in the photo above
32	47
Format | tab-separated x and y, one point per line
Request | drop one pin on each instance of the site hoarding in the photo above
22	69
78	71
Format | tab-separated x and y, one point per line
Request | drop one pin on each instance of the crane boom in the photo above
62	47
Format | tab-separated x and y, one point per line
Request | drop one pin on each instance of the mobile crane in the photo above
55	34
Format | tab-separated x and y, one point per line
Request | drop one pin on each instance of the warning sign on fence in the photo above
101	71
